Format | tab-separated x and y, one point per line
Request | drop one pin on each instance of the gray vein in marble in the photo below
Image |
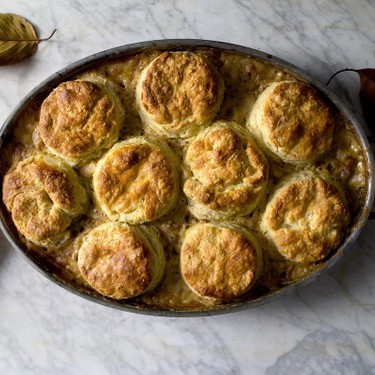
321	352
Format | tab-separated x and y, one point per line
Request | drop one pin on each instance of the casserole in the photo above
119	52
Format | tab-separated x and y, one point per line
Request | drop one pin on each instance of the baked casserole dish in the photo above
182	177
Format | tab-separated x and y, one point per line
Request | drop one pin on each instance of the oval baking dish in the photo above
42	90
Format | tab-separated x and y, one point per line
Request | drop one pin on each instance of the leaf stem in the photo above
30	40
340	71
48	38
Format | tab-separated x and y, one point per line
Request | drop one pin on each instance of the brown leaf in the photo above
367	95
366	92
18	39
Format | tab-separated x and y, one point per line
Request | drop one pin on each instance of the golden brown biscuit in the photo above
43	195
306	219
136	181
178	94
291	121
226	173
79	119
121	261
220	262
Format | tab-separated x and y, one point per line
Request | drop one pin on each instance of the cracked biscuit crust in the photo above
226	172
306	219
120	261
43	195
220	262
136	181
178	94
292	122
79	119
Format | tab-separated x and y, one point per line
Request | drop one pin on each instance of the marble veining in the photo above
327	327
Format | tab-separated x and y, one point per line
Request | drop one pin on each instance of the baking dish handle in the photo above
371	139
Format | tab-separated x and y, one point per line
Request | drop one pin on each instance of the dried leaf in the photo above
18	39
366	93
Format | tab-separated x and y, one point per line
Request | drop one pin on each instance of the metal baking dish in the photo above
176	44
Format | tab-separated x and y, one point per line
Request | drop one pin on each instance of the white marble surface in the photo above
327	327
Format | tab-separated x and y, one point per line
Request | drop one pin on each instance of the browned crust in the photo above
306	219
300	124
77	118
36	218
115	262
228	171
218	262
42	198
136	177
180	87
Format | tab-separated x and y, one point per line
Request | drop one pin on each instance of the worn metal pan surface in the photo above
176	44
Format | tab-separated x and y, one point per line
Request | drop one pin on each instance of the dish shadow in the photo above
5	247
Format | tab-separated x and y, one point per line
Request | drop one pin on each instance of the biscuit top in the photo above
115	262
135	181
43	195
79	118
218	262
298	124
227	169
306	219
179	89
